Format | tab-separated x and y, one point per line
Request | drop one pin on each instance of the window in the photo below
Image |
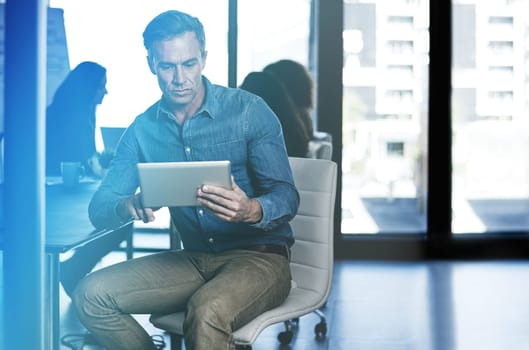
384	104
491	132
395	149
272	30
400	46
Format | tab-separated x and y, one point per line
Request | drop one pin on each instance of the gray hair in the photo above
172	23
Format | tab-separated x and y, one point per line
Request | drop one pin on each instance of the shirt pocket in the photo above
232	150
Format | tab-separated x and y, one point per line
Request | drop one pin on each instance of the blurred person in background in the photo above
300	85
272	90
70	136
71	119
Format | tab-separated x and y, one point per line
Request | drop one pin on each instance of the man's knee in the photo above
207	325
88	296
205	311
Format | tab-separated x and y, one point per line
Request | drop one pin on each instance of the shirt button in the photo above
201	212
188	149
211	240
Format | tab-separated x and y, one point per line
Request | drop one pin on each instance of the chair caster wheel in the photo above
320	329
285	337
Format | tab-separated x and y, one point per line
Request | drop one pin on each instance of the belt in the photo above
282	250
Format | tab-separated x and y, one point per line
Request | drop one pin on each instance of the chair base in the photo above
320	329
177	341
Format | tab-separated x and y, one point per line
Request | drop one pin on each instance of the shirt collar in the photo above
207	108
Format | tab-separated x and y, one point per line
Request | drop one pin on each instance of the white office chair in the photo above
311	262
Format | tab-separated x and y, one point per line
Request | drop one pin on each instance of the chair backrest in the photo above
312	254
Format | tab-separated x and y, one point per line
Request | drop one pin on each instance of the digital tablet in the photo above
175	184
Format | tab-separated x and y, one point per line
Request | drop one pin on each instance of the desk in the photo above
67	227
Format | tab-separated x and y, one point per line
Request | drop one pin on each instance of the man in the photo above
235	264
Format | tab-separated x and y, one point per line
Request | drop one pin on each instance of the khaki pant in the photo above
219	291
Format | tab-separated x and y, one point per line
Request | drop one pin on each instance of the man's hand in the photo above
230	205
132	207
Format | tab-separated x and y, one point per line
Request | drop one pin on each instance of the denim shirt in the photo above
231	124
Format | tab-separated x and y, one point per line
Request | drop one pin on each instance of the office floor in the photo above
433	305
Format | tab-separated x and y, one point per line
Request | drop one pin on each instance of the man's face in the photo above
178	64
